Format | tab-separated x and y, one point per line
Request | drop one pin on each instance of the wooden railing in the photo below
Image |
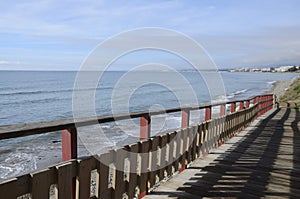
130	171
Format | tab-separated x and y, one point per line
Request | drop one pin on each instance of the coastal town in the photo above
280	69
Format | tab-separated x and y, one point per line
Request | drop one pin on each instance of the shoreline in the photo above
280	87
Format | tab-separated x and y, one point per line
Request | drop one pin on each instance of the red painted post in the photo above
145	127
69	144
222	109
272	102
207	113
264	103
232	107
241	105
69	150
247	104
254	100
185	118
269	103
260	106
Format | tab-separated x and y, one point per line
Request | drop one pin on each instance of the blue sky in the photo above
58	35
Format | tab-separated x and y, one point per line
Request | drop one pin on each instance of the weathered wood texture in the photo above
263	161
131	171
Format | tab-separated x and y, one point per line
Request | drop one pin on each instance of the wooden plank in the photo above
84	176
7	189
189	144
184	145
200	140
119	158
177	143
213	133
41	182
103	169
163	162
172	158
194	138
15	187
133	177
207	137
143	179
65	173
154	158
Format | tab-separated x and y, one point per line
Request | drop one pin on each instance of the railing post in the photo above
207	113
69	144
267	103
69	150
264	104
222	109
271	102
185	118
241	105
247	103
145	127
232	107
260	105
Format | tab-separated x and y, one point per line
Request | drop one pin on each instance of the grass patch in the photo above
292	94
297	89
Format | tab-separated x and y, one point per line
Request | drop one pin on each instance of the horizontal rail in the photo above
120	174
26	129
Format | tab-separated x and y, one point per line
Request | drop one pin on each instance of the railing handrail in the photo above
72	177
26	129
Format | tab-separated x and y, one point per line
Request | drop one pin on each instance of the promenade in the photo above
261	161
250	150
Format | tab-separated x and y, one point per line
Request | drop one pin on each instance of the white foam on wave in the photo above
234	94
220	99
230	96
272	82
240	91
17	163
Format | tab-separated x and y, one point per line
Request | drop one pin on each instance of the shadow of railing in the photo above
263	163
295	173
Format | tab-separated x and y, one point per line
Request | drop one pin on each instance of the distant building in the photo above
281	69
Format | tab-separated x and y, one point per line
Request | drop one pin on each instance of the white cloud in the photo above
3	62
233	32
269	46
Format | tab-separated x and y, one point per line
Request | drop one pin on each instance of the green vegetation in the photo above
292	95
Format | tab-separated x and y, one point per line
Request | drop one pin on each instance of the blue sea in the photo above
34	96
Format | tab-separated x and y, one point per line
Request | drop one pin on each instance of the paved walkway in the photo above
261	161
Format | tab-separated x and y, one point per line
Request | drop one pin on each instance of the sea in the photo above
35	96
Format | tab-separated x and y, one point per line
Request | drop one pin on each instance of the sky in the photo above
59	35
